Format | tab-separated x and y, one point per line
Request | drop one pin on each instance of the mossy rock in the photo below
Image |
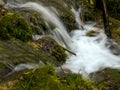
4	70
14	26
42	78
51	47
3	11
108	79
65	14
115	29
92	33
38	24
16	52
36	21
88	9
64	11
45	78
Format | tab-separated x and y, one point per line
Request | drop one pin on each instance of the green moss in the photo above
65	14
14	26
92	33
37	24
53	49
89	12
108	79
45	78
77	82
69	21
115	29
15	52
39	79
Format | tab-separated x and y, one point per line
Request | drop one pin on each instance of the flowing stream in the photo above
92	53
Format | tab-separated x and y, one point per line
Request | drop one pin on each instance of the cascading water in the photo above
92	54
78	20
60	31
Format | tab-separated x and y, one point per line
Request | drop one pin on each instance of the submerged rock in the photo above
92	33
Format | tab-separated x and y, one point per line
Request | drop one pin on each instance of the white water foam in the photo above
92	53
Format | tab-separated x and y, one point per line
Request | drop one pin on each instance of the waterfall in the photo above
77	17
49	16
92	54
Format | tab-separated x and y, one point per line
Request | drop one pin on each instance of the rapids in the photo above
92	53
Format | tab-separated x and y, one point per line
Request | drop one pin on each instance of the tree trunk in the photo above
106	19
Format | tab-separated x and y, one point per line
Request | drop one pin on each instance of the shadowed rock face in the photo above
51	47
107	78
15	52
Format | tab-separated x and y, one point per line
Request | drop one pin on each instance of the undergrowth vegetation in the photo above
45	78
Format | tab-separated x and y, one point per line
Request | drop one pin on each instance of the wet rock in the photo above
107	78
53	49
3	11
46	78
14	52
92	33
59	7
115	29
